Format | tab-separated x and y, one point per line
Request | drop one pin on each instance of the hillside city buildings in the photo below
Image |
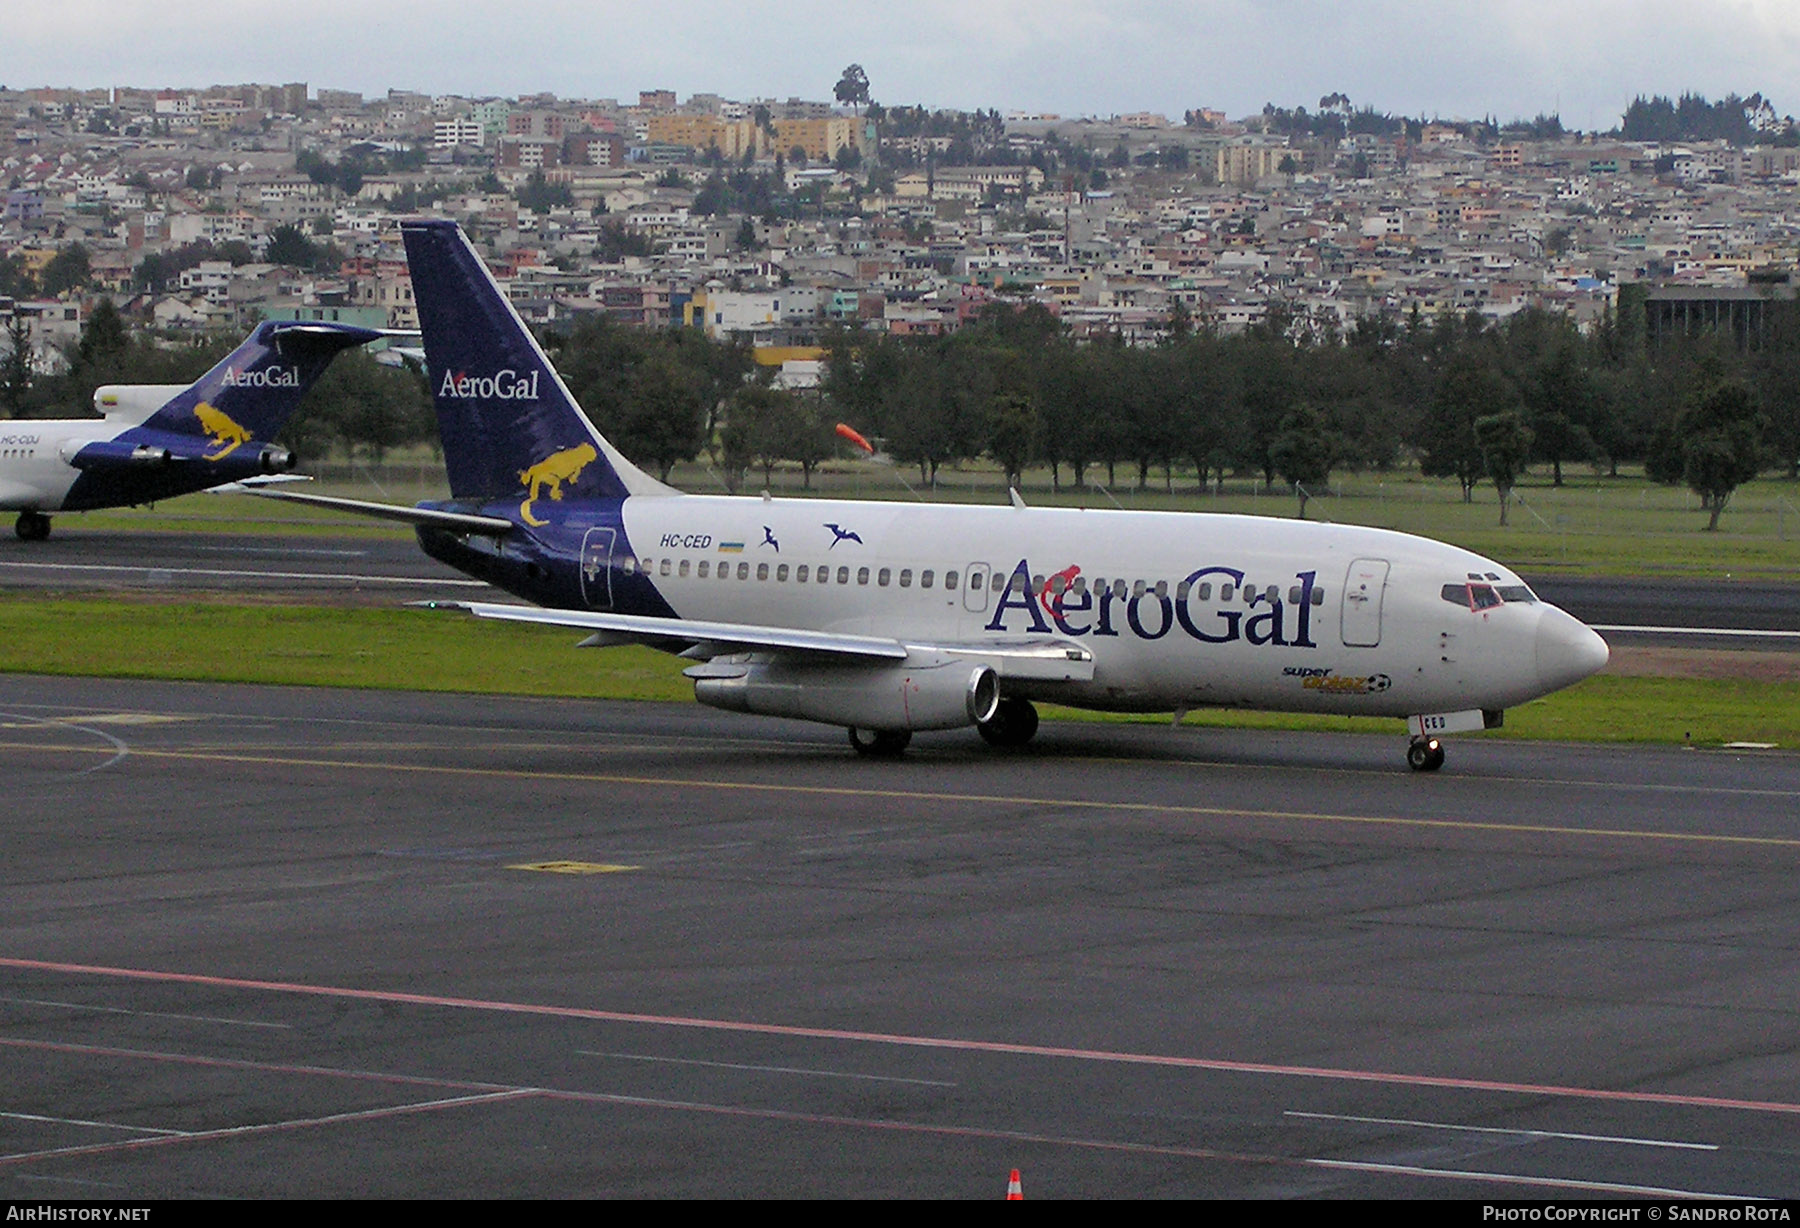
1116	225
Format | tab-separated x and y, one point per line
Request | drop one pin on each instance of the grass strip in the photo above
121	636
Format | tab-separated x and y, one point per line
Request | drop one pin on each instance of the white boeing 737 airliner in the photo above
887	618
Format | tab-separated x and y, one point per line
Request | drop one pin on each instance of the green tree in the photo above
361	405
1470	388
1720	437
852	88
665	414
16	280
67	270
1505	443
1013	436
16	369
762	427
1304	451
287	245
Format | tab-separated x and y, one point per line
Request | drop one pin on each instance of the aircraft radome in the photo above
888	617
156	441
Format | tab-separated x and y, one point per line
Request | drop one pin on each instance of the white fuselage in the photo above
1344	619
34	472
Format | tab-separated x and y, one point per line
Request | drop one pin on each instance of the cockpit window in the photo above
1480	595
1517	594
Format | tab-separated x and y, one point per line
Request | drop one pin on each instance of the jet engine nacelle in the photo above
106	454
926	691
275	460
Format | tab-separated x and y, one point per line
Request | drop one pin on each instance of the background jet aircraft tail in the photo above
218	429
258	385
505	417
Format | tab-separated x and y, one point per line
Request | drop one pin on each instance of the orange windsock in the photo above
855	437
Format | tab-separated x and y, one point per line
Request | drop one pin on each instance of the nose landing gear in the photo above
1425	755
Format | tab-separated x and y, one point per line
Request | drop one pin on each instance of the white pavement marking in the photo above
1740	632
795	1070
120	1010
96	1125
1440	1125
120	749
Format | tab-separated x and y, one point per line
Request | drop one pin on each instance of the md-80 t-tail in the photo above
156	441
886	617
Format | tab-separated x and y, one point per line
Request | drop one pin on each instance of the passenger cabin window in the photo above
906	577
949	581
743	571
883	576
800	574
925	578
843	575
762	571
665	567
684	567
862	575
781	572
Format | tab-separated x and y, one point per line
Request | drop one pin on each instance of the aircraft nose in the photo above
1567	650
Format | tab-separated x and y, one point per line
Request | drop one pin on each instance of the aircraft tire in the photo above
880	743
1424	756
1014	723
32	526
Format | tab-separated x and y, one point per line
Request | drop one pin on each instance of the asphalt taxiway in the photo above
283	942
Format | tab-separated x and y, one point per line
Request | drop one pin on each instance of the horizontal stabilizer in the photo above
456	522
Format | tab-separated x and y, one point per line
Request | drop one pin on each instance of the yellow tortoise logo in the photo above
553	471
226	435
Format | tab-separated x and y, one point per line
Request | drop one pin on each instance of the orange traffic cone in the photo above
1014	1192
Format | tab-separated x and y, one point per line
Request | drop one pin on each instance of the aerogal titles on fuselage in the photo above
267	377
506	385
1149	615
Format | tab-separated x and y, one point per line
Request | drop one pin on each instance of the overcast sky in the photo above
1453	58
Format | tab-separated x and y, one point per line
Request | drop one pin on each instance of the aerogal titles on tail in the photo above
888	618
157	441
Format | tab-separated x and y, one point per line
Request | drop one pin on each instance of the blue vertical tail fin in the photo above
253	390
507	421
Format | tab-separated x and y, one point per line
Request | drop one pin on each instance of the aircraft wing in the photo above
1041	658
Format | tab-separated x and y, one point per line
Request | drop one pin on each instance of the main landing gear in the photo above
1425	755
880	743
1013	724
32	526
